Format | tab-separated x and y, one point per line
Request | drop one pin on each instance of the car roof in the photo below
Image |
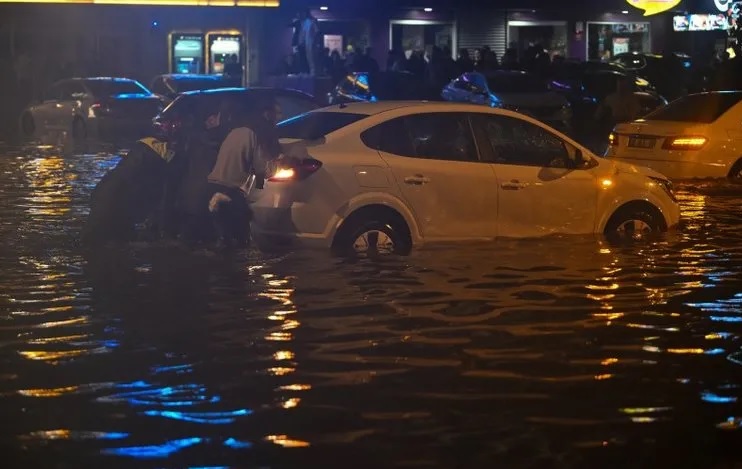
251	89
372	108
193	76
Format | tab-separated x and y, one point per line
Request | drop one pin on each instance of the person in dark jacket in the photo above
128	194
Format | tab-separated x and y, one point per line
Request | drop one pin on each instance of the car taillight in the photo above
294	171
684	143
613	139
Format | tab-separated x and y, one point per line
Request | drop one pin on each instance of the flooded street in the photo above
562	352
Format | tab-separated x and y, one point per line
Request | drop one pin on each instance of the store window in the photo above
410	36
606	40
550	35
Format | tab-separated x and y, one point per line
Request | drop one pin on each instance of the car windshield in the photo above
515	83
115	87
314	125
701	108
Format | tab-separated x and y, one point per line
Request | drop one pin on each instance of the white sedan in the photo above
387	176
696	136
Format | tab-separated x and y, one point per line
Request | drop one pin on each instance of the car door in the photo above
540	190
435	162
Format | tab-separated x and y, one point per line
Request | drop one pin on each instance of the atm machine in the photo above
186	51
221	45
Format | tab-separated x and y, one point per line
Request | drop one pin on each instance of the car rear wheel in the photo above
633	224
370	238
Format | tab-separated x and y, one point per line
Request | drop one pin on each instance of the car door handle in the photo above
417	180
513	185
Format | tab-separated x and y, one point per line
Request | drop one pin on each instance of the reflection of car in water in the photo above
382	86
390	175
193	107
104	108
696	136
586	89
171	85
515	90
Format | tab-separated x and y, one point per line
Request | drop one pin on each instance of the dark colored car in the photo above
382	86
652	68
587	89
105	108
192	108
172	85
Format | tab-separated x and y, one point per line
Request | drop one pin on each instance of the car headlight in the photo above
666	185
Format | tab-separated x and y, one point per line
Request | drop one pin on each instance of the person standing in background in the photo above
307	39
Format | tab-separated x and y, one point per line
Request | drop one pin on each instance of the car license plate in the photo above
639	142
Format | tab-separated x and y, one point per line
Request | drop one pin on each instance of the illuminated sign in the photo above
700	22
652	7
209	3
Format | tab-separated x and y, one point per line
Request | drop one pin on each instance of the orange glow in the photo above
291	403
217	3
296	387
286	442
55	392
686	143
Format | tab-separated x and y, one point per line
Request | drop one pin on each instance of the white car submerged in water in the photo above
390	175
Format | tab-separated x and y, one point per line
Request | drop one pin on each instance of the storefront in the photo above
419	30
550	35
606	39
343	34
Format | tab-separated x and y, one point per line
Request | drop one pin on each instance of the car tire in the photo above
79	132
28	125
633	224
366	237
735	174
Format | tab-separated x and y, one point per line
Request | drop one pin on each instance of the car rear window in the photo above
702	108
314	125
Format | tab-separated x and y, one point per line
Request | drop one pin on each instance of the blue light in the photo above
155	24
715	399
495	101
236	444
154	451
715	351
176	368
213	418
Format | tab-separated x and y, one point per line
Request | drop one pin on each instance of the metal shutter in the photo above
479	28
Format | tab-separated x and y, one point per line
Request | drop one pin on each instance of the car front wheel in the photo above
633	224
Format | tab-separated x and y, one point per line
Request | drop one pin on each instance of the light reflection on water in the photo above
563	352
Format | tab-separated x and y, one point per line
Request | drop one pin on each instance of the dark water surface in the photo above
565	352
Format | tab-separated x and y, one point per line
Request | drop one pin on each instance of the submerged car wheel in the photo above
633	224
367	237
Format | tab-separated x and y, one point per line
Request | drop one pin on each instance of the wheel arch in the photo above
381	212
635	205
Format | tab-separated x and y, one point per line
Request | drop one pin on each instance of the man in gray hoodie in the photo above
241	162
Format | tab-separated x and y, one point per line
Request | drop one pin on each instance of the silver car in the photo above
102	107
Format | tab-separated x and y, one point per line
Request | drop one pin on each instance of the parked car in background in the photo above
102	107
512	89
585	89
696	136
652	68
190	109
381	86
171	85
386	176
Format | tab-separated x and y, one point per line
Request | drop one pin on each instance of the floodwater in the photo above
564	352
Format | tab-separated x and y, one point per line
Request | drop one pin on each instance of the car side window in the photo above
53	93
392	137
518	142
442	136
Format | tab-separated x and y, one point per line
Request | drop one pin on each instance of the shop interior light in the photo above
323	8
625	12
427	9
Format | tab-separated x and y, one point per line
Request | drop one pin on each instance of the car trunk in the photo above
640	137
133	107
